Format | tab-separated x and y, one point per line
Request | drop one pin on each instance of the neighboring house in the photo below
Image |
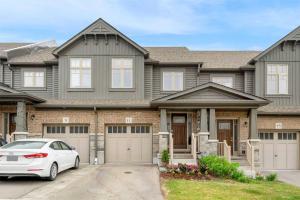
110	97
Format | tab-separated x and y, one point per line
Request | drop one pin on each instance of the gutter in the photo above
96	135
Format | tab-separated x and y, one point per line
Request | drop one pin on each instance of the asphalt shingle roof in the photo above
210	59
271	109
9	45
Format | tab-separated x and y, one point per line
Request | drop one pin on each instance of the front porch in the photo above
224	124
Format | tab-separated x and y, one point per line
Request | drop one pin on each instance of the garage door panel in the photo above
268	155
281	153
292	156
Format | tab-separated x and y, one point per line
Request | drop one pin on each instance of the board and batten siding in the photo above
46	93
101	54
7	75
249	82
288	56
148	81
190	79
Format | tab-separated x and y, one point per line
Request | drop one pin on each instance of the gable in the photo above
209	94
100	30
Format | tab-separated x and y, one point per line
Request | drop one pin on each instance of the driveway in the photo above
93	182
290	177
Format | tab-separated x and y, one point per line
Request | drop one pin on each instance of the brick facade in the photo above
288	122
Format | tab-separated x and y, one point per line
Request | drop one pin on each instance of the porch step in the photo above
182	150
242	160
184	161
182	156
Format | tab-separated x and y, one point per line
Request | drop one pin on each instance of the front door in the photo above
179	131
225	132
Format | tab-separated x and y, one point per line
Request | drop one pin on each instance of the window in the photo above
226	81
79	129
117	129
55	146
34	79
24	145
80	73
140	129
277	79
287	136
266	136
224	125
122	73
56	129
172	81
64	146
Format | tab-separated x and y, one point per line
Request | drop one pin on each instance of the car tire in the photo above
3	178
77	162
53	172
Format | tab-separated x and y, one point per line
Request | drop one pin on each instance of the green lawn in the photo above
227	189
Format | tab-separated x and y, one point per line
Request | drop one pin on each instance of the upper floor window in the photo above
277	79
223	80
172	81
34	79
80	73
122	73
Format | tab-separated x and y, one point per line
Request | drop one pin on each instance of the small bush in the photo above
183	169
165	157
271	177
259	177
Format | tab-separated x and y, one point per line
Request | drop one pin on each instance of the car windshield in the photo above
24	145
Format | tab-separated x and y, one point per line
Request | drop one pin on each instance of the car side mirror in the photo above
73	148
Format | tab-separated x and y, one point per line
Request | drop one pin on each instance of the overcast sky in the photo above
197	24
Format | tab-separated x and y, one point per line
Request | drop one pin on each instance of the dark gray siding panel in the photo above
287	56
148	81
249	82
55	79
101	54
190	79
208	94
7	75
47	93
1	72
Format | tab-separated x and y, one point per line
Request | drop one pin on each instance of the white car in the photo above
37	157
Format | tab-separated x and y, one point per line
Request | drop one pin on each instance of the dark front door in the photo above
225	132
179	131
12	123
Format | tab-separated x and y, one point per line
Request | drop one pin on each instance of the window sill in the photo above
80	89
170	92
121	89
278	95
34	89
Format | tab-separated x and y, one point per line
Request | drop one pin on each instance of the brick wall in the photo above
288	122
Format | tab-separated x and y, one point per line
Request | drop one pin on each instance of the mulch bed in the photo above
167	175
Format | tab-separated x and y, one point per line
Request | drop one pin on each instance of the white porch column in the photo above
163	134
21	125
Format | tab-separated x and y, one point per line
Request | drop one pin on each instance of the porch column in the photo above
21	128
253	124
212	124
203	123
163	133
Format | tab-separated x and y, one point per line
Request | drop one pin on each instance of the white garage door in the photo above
128	144
280	150
74	135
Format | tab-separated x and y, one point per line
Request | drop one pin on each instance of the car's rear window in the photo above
25	145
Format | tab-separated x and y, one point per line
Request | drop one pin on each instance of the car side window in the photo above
55	146
65	146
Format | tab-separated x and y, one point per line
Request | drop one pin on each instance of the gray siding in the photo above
287	56
148	81
1	71
190	79
249	82
7	75
55	80
46	93
208	94
101	55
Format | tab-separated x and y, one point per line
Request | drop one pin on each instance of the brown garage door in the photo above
74	135
128	144
280	150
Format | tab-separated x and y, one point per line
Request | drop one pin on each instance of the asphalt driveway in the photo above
90	182
290	177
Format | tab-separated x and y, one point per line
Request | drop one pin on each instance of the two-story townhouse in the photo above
118	102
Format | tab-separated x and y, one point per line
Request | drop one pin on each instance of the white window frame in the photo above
34	79
122	65
174	75
221	80
81	70
277	76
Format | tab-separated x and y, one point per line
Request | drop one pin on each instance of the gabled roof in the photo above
9	45
294	35
100	27
211	94
9	95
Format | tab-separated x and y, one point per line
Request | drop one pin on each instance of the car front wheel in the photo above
76	164
53	172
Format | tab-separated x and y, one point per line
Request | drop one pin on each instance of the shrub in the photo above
183	169
165	157
271	177
218	166
259	177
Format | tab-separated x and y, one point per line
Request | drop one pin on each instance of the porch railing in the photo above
224	150
250	154
171	149
194	145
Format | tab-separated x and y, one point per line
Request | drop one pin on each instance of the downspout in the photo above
96	136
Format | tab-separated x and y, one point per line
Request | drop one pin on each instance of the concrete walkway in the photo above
109	182
290	177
